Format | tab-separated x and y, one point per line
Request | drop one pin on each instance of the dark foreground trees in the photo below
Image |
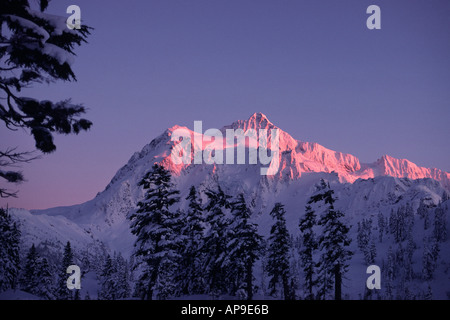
35	48
333	242
278	265
155	247
9	252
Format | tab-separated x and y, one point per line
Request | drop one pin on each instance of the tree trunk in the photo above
286	289
337	282
310	287
249	281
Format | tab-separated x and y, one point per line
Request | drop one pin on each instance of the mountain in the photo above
296	157
363	191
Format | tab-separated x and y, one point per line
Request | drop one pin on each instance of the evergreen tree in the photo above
381	226
422	210
389	294
429	294
76	295
151	223
192	278
63	293
365	241
168	282
45	288
29	281
121	278
9	252
410	247
372	252
35	48
409	221
445	196
392	222
401	222
429	258
310	245
215	241
243	248
391	269
440	224
278	264
107	281
333	243
426	220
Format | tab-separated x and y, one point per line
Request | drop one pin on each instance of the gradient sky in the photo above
311	66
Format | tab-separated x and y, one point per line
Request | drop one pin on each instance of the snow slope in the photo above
363	190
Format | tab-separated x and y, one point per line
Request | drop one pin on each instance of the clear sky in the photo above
311	66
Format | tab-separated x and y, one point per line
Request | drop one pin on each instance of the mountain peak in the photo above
258	117
256	121
259	120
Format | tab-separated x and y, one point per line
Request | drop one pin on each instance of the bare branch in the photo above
11	158
7	194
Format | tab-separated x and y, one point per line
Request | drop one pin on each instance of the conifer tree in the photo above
29	279
429	294
243	248
371	253
409	221
76	295
365	241
216	240
392	222
410	247
278	262
333	244
310	245
440	224
151	223
63	293
168	282
35	48
428	265
429	258
107	283
45	287
382	228
192	278
391	269
9	252
422	209
121	277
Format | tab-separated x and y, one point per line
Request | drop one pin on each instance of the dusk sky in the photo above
311	66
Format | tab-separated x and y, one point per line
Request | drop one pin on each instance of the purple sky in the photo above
311	66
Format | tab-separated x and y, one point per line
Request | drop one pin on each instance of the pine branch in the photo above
11	157
7	194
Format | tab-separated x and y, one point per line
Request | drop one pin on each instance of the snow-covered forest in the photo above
214	249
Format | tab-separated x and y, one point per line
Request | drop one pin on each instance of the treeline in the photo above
35	274
397	262
43	273
212	248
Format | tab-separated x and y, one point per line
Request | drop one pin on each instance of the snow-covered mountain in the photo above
363	190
